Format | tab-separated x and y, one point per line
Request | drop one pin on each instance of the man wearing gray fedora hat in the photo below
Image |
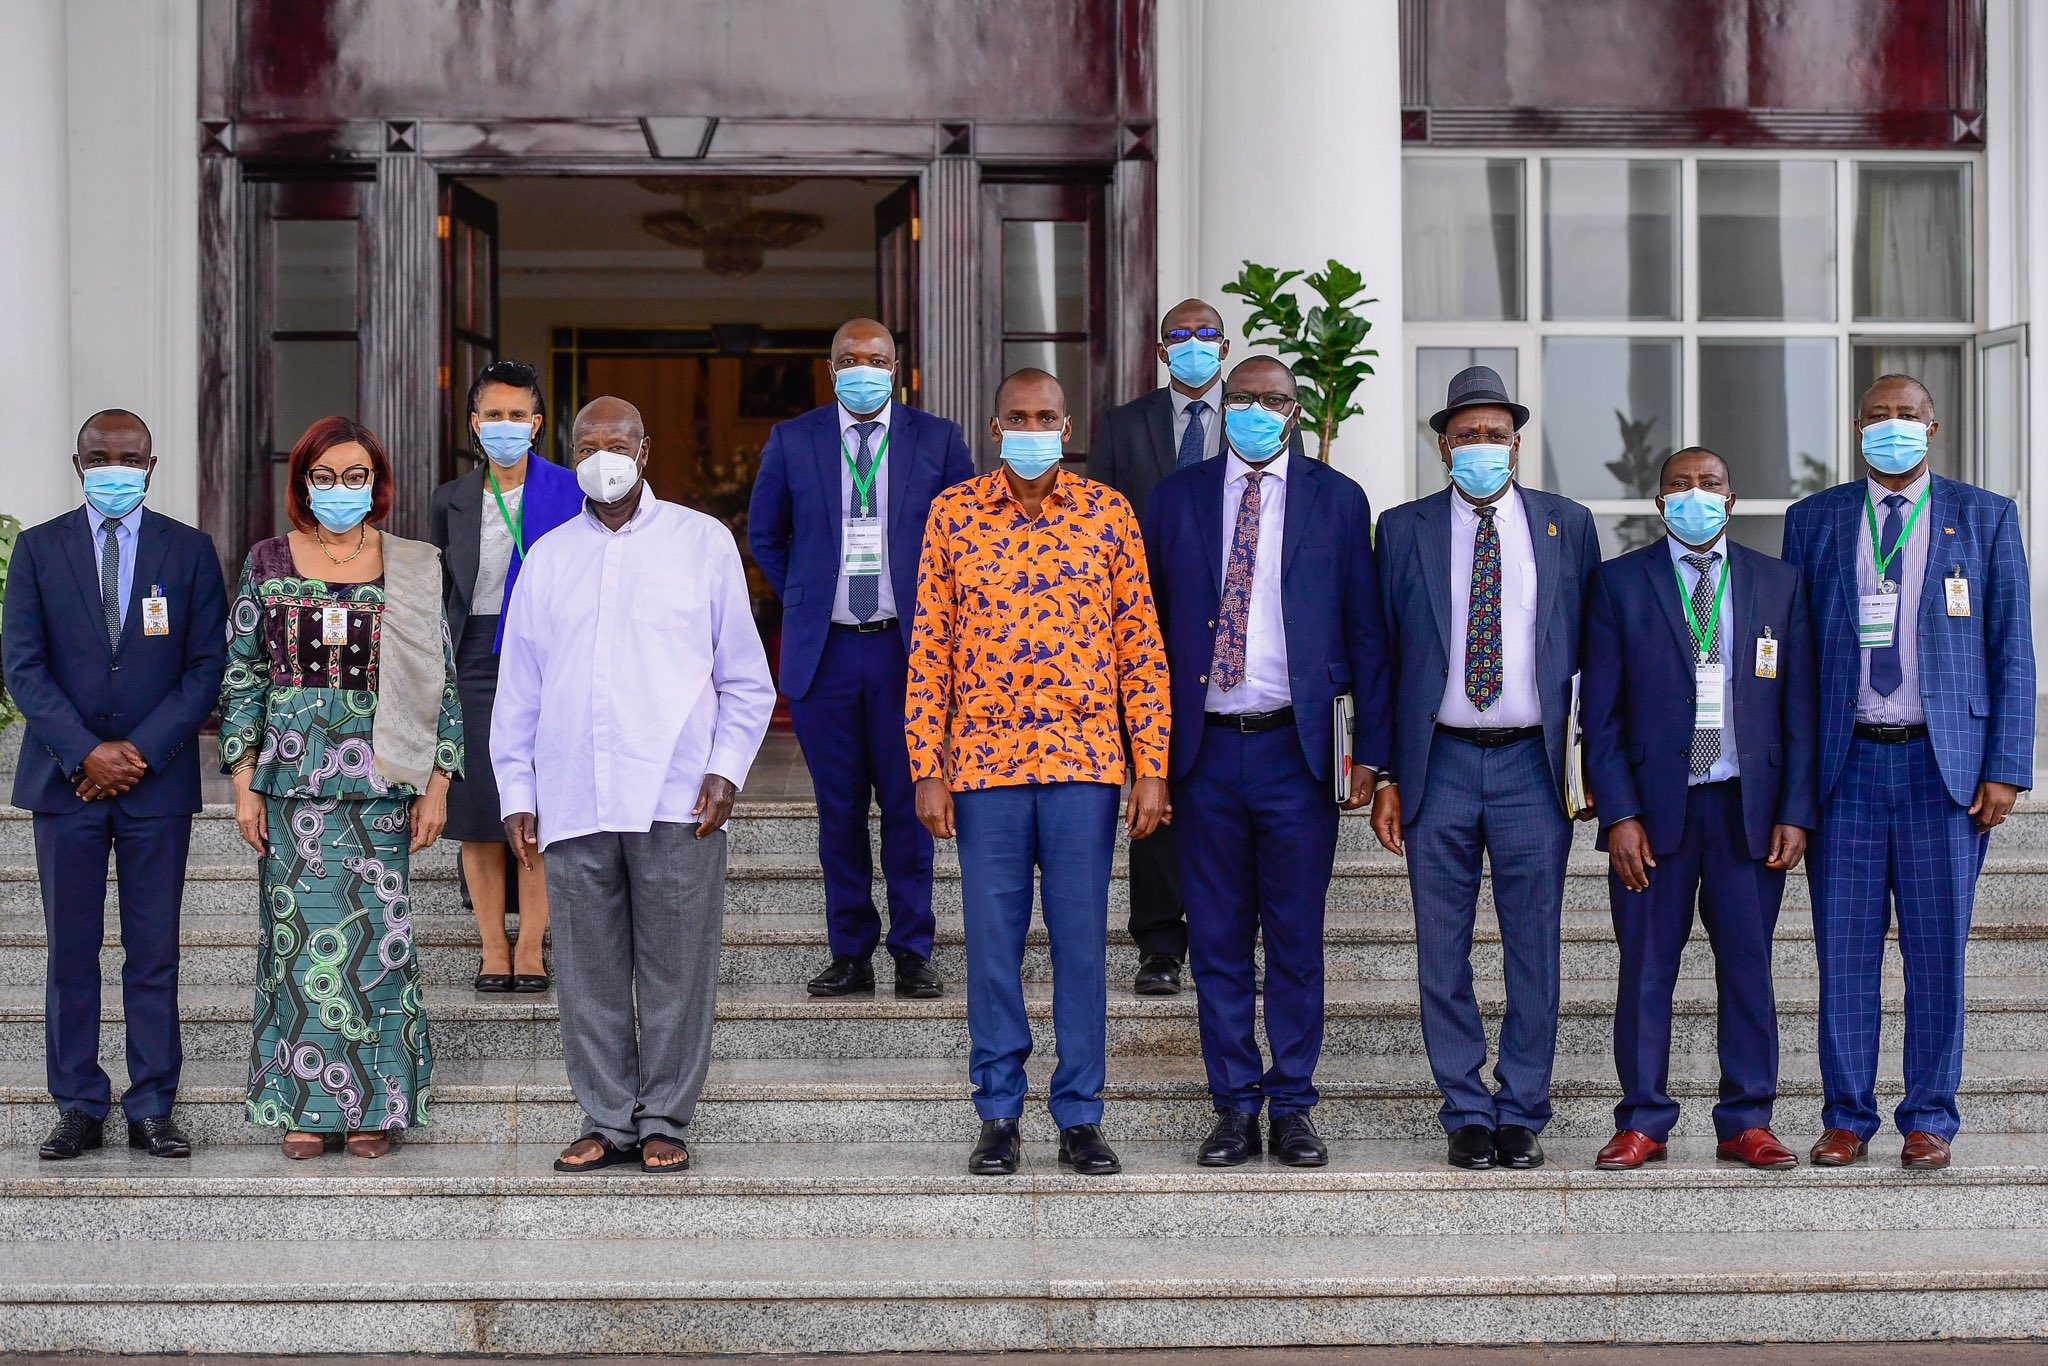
1483	583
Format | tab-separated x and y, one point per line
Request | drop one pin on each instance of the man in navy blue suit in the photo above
837	525
1484	586
1697	698
1921	622
115	642
1269	599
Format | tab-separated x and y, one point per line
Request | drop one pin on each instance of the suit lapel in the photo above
465	532
1434	538
1544	546
1744	623
1301	497
1846	518
1659	567
825	469
1159	422
1940	513
896	461
1209	519
150	545
83	559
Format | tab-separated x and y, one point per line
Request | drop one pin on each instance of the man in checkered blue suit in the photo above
1919	592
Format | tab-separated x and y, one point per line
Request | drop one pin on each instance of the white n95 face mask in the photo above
605	476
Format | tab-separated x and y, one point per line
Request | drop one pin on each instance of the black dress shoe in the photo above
1083	1148
1158	975
846	977
995	1152
76	1132
1516	1148
915	980
1472	1147
1294	1140
533	984
1233	1141
159	1137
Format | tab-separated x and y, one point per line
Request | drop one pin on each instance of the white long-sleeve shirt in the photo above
631	668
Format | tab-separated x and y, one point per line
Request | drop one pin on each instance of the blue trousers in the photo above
1892	839
149	859
1258	840
1065	832
850	726
1738	900
1504	804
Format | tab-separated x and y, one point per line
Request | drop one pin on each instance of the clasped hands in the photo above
112	769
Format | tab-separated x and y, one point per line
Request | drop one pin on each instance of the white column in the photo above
1299	160
35	338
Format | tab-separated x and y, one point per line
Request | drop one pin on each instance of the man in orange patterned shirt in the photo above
1034	620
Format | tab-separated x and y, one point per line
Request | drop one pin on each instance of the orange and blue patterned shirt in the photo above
1027	636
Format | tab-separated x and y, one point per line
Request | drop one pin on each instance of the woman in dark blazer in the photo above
484	522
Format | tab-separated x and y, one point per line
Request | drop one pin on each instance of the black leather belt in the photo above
1493	737
867	628
1251	722
1890	735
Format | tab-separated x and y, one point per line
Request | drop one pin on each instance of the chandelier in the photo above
718	218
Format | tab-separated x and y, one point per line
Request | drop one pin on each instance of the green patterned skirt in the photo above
341	1036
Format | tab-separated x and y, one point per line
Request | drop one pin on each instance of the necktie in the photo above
1706	744
864	591
1228	667
110	579
1191	439
1482	622
1885	672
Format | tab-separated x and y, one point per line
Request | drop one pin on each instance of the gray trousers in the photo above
637	915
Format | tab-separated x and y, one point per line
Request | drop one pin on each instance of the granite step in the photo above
916	1100
462	1192
680	1295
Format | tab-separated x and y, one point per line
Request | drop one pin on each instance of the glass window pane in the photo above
1068	362
1610	233
1763	531
2004	395
1461	249
310	380
1434	366
1939	366
1619	535
1610	414
1767	407
1913	242
1767	241
315	285
1045	276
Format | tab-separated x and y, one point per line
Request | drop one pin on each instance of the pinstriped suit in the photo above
1895	830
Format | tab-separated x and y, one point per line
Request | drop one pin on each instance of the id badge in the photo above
1710	692
334	626
1877	617
861	547
1766	655
156	616
1957	590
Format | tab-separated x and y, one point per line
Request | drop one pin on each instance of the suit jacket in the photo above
75	691
1636	696
1976	672
552	497
1330	593
1134	447
1415	571
793	524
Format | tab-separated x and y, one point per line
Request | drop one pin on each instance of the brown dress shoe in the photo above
1757	1148
1628	1150
1837	1148
1924	1152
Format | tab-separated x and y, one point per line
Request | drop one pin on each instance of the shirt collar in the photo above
1212	396
995	490
1679	549
1235	470
640	517
847	422
96	519
1507	507
1878	492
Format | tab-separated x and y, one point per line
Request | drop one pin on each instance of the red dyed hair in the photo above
320	438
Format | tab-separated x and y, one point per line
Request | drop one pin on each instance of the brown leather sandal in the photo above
299	1147
370	1145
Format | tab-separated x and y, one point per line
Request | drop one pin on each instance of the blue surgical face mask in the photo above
115	490
1480	470
1895	445
504	442
1695	516
1031	454
339	509
1194	362
863	388
1256	433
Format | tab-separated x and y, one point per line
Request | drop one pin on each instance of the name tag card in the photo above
156	616
861	547
1877	618
334	626
1957	590
1710	692
1766	655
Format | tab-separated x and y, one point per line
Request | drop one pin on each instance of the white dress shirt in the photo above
1909	572
631	669
849	449
1265	685
1517	705
1724	767
125	530
1212	417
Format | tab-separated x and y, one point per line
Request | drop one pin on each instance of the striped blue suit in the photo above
1895	830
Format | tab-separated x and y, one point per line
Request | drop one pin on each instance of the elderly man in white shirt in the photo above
633	695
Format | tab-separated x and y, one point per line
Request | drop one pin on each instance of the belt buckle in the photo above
869	628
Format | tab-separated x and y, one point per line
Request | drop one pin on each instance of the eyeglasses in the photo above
1272	403
1181	334
354	477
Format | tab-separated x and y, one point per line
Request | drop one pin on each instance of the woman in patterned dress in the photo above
342	734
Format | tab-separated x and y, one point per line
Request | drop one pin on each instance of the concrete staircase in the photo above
828	1208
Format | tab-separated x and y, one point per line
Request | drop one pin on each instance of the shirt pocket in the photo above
669	605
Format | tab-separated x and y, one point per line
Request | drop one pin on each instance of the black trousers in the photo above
1159	921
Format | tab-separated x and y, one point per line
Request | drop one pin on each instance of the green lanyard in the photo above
1702	634
1885	558
518	528
862	487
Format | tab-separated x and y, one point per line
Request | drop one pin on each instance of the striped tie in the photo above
110	579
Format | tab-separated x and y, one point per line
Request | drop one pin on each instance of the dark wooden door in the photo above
898	239
1045	293
468	233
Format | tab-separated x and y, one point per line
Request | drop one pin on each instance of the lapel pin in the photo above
1948	531
1553	528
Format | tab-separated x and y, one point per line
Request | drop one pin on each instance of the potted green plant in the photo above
1325	346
